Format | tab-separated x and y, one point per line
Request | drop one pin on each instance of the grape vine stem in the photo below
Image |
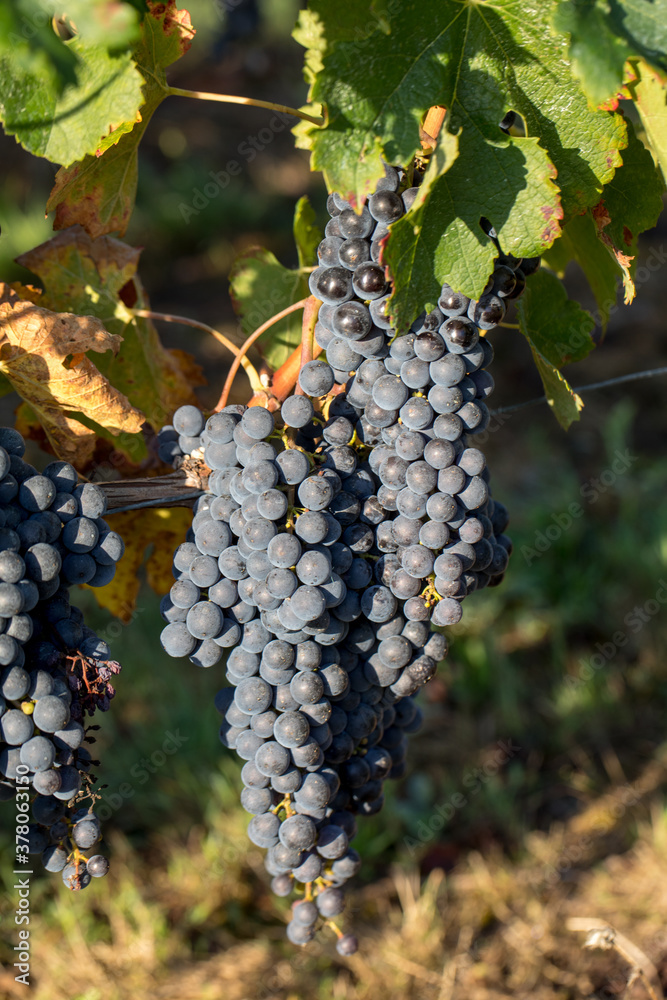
310	311
284	380
236	363
202	95
248	367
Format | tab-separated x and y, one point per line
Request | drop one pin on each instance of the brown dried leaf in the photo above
42	353
99	278
602	219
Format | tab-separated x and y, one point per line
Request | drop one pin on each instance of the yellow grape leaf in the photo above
42	353
163	529
169	528
649	92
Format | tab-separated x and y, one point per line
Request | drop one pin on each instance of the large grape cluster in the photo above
333	535
54	669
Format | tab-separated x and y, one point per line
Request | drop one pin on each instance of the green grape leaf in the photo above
260	287
479	60
558	332
644	26
649	92
27	33
630	204
353	21
433	244
98	192
98	278
307	235
604	34
33	46
110	23
604	241
476	59
597	52
561	397
64	127
580	243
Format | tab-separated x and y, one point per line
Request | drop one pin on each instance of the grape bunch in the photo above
333	535
54	668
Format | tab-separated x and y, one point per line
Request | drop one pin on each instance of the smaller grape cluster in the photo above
54	668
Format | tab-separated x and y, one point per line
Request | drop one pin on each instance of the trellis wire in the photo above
619	380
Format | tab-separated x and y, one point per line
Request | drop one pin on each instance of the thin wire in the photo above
632	377
161	502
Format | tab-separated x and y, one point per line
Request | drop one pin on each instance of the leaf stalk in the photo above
201	95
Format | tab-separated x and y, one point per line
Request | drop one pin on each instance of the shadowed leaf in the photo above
558	331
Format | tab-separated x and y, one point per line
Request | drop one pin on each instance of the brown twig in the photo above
224	396
310	312
283	381
176	489
248	367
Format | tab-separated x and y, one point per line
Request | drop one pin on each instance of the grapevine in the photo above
341	515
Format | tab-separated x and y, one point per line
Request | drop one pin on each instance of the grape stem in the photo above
310	311
283	381
236	363
248	367
202	95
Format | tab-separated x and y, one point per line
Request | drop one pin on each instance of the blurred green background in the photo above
537	783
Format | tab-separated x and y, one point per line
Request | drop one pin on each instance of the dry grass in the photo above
490	929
